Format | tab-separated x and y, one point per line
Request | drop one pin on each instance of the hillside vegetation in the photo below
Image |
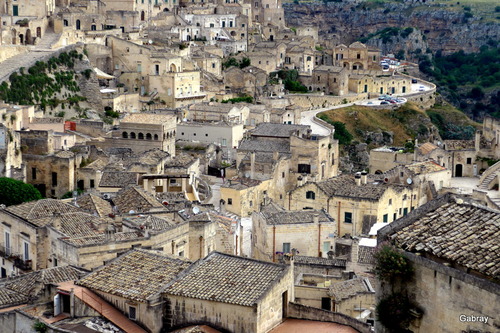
407	122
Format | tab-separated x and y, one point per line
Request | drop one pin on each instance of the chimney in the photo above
56	221
364	177
316	218
252	165
276	155
357	178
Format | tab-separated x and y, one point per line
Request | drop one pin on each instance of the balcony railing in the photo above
25	265
6	252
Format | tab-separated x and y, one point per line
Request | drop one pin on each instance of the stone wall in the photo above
300	311
321	101
8	51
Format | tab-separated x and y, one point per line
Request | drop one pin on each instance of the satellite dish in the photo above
196	210
409	181
150	41
131	211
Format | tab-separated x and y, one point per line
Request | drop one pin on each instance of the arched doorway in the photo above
458	170
93	27
143	15
39	32
28	37
173	68
21	39
78	25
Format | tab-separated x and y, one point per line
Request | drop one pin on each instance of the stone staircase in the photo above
48	40
484	185
28	59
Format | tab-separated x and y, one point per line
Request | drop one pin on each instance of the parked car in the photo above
414	81
392	101
384	102
383	97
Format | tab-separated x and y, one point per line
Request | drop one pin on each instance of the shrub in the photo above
394	312
14	192
390	263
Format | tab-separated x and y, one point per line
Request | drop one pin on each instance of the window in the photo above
92	183
304	168
404	197
405	211
469	160
181	254
229	201
347	217
390	202
139	68
282	175
251	203
132	312
310	195
26	250
395	216
54	178
385	218
33	173
286	247
7	242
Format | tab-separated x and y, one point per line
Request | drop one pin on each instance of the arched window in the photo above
140	136
310	195
132	135
93	27
125	135
149	136
156	137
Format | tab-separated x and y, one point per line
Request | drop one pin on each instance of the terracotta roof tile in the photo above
228	279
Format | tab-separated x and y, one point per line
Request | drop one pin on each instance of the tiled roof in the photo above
26	287
306	260
278	130
425	167
94	204
462	233
136	275
103	239
350	288
135	199
426	148
345	186
264	145
227	279
37	212
223	221
296	217
152	222
77	224
459	144
148	118
118	179
181	160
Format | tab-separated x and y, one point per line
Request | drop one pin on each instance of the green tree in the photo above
14	192
390	263
341	133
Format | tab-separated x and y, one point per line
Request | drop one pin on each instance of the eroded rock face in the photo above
443	28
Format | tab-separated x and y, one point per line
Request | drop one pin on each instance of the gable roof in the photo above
136	275
278	130
463	233
350	288
136	199
296	217
118	179
94	204
39	212
25	288
227	279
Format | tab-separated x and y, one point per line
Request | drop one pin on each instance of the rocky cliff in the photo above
446	27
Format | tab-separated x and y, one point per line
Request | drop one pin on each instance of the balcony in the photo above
24	265
7	253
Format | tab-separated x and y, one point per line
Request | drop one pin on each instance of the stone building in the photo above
250	80
451	244
331	80
356	56
353	297
142	132
356	202
310	233
133	284
230	293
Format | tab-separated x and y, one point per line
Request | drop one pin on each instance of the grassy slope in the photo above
404	122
